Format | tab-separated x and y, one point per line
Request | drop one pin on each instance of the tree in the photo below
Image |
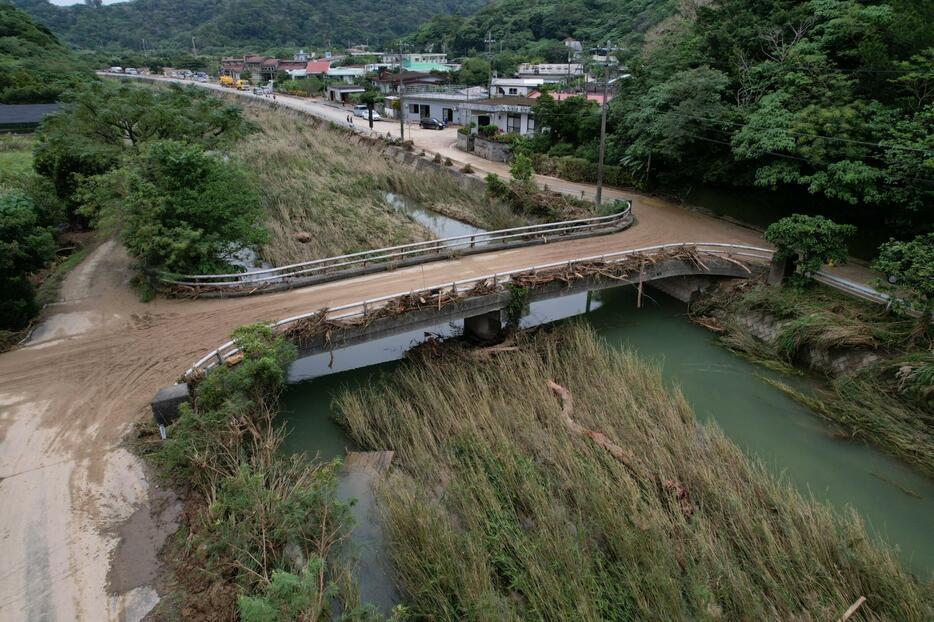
187	211
370	97
812	241
909	268
25	246
101	122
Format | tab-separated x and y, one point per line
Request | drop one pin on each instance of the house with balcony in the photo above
388	83
511	114
442	103
347	74
551	72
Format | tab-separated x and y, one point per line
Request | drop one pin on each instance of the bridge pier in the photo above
781	269
484	327
167	401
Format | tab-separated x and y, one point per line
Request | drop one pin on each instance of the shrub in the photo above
467	169
488	131
814	240
495	186
561	150
521	168
25	246
576	169
910	265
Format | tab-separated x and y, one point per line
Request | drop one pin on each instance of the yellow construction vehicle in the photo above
227	81
243	85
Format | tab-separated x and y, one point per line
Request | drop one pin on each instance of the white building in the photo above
551	72
444	104
514	87
512	115
346	74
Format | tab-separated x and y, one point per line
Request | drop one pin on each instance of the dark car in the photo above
432	124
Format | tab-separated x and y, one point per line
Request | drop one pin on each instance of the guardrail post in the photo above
220	359
472	241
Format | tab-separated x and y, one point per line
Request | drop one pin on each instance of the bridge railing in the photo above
363	307
440	248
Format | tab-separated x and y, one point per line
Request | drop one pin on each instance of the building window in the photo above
514	123
413	108
513	91
531	124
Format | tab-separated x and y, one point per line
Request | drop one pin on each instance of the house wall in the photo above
500	120
435	109
492	150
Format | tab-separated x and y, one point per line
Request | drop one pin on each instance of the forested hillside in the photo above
34	66
238	24
538	27
832	96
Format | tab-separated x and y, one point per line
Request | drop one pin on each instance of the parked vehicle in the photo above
116	70
243	85
360	110
131	71
430	123
227	81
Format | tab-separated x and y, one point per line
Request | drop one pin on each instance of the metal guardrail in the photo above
853	288
361	308
441	247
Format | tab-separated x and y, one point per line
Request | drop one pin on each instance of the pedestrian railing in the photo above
364	307
440	248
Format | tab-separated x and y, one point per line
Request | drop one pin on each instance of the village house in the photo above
317	68
388	83
262	68
515	87
551	72
444	103
347	74
342	92
512	115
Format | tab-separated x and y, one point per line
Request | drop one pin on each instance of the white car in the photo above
361	111
131	71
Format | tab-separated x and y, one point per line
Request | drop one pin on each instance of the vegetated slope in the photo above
169	24
323	182
34	66
541	25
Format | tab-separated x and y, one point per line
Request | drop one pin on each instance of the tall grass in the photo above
323	181
500	512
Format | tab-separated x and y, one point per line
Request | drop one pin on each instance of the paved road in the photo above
78	525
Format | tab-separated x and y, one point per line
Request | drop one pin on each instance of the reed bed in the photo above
323	190
513	500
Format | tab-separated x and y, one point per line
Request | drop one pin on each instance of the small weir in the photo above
895	501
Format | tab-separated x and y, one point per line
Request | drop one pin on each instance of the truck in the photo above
243	85
227	81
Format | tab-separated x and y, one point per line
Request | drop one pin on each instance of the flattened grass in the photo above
498	511
320	180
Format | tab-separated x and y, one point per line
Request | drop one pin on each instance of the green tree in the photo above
474	71
370	97
187	210
25	246
812	241
909	268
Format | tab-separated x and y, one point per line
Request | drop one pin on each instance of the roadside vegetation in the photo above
562	480
261	526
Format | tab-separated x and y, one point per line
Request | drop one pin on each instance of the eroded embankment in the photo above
879	366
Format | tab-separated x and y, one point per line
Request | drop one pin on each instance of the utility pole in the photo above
489	40
401	104
194	49
606	83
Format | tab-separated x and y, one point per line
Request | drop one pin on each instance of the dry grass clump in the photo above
321	180
511	503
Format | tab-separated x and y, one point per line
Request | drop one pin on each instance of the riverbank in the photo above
879	367
573	506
